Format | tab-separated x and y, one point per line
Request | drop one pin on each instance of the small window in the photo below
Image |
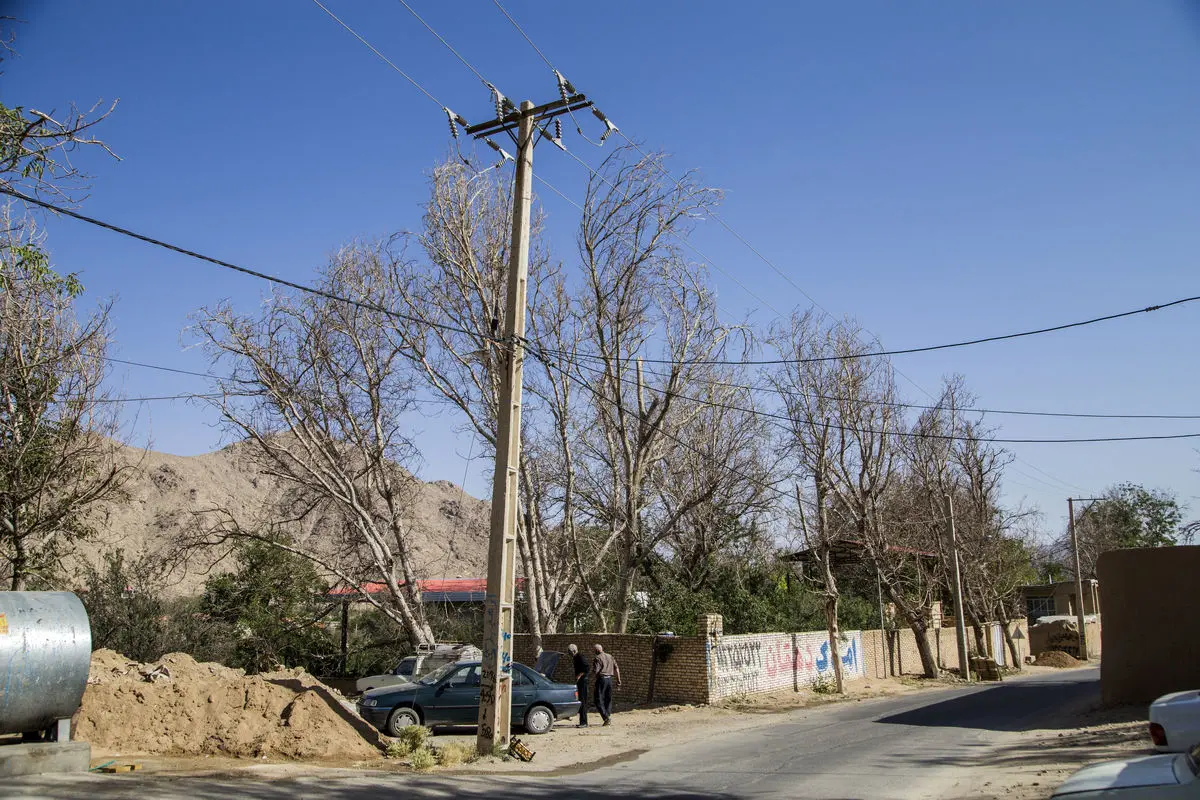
1036	607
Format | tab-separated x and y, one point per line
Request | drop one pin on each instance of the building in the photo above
1058	599
1151	626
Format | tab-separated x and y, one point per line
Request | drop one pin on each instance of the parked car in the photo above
1167	777
450	696
1175	721
427	659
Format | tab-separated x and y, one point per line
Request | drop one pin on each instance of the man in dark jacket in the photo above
580	667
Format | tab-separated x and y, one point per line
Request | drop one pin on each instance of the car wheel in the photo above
539	719
400	719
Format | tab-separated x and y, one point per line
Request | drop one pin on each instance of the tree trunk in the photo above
928	663
831	620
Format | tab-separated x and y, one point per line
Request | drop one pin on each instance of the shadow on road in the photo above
416	787
1018	706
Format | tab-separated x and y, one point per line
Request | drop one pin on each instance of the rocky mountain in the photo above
168	492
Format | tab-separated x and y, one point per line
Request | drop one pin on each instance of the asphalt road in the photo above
924	745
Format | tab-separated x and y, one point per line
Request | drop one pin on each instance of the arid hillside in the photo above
168	492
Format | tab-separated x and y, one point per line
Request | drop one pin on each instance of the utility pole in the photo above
1079	610
960	624
495	690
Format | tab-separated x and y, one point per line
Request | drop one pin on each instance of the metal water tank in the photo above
45	653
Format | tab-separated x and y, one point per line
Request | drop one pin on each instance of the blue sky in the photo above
937	170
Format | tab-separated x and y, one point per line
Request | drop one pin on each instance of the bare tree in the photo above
641	296
58	452
36	146
318	388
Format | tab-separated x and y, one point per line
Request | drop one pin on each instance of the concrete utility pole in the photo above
960	623
1079	610
495	690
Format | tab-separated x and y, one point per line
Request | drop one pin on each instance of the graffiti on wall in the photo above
749	664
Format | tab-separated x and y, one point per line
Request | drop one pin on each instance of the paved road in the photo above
917	746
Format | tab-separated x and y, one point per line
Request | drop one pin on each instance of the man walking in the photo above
606	669
580	667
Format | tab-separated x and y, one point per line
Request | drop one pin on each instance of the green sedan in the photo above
450	696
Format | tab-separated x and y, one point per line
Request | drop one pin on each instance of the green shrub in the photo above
414	737
422	759
824	684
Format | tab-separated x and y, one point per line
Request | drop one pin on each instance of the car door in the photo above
456	698
524	692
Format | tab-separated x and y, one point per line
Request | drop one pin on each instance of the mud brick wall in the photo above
680	677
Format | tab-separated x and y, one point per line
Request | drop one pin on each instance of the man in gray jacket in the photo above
606	670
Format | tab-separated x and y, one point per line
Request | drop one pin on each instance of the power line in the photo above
244	270
907	434
160	367
384	58
922	407
163	368
926	348
449	47
741	238
148	399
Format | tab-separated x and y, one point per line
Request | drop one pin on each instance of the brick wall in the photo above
680	677
711	666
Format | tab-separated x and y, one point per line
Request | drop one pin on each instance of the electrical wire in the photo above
366	306
382	57
746	242
922	407
927	348
449	47
147	399
906	434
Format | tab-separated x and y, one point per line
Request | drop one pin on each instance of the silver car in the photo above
1170	777
427	659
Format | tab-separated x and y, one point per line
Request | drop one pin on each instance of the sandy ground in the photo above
565	749
1022	765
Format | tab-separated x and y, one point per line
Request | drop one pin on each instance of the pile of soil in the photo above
178	706
1056	658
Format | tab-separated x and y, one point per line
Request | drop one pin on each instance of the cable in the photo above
948	437
147	399
685	242
449	47
384	58
741	238
921	407
928	348
521	30
164	369
244	270
420	401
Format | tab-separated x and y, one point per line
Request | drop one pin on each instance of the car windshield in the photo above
437	674
1193	759
405	667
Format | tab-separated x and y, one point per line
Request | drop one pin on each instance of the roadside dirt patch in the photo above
178	706
1057	658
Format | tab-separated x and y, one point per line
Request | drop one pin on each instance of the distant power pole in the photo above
495	690
960	623
1079	609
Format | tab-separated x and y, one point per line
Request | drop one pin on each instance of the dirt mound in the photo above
1056	658
178	706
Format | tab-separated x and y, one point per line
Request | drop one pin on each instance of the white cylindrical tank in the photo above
45	654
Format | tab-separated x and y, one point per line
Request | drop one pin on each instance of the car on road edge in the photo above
450	696
1167	777
1175	721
